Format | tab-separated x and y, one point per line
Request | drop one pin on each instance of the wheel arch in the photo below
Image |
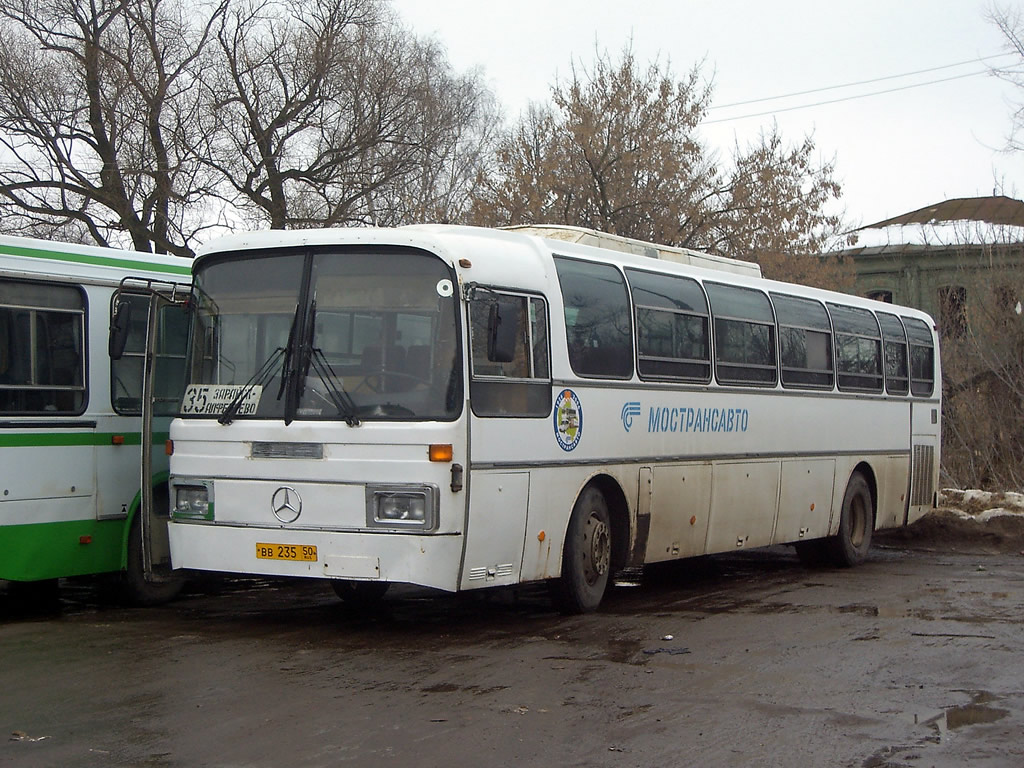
161	489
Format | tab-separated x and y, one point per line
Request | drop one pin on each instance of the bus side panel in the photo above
117	467
496	529
805	499
744	499
893	479
680	508
58	549
47	503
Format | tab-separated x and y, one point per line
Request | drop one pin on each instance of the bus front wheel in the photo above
850	546
586	556
138	587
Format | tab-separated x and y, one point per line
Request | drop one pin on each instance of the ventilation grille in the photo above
490	573
923	471
287	451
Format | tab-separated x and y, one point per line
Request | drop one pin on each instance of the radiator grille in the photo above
922	488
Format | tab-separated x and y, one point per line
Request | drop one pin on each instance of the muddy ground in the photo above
914	659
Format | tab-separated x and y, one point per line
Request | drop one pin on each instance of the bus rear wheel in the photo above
850	546
586	556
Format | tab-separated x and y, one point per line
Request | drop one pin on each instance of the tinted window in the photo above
744	335
42	349
858	348
520	386
671	327
597	319
805	339
894	343
922	357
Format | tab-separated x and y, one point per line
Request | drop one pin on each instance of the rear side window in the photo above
805	341
922	357
597	319
672	327
744	335
858	348
42	349
894	350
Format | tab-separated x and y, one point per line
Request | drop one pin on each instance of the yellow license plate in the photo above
303	553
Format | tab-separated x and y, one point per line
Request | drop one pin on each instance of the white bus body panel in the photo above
694	463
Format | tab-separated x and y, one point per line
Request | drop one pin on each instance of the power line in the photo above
863	82
845	98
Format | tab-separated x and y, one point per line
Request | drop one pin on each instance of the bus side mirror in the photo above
120	324
502	325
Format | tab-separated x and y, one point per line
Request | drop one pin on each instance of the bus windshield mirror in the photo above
120	325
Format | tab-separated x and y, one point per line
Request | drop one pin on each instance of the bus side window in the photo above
672	330
744	335
520	386
805	339
858	348
597	319
42	348
922	357
894	343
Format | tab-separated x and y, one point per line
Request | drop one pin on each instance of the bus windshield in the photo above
335	334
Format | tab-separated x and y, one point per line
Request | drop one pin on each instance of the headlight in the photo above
401	507
192	501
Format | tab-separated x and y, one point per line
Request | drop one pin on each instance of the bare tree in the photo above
324	109
1010	22
619	150
95	98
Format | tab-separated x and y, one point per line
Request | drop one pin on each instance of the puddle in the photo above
978	712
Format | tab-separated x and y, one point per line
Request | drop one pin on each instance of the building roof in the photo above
990	210
958	222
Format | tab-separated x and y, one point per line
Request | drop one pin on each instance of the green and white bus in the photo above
72	427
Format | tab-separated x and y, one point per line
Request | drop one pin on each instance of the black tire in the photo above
850	546
586	556
360	593
136	589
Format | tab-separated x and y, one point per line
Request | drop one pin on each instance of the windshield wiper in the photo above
264	374
341	399
261	377
314	356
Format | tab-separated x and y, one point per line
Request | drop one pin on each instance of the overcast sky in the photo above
895	152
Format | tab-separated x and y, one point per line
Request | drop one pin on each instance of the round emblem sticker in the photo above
568	419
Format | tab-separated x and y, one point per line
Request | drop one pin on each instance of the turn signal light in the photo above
169	447
440	452
117	439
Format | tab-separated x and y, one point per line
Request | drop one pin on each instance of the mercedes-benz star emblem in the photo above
286	504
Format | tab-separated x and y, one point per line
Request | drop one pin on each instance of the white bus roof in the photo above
611	242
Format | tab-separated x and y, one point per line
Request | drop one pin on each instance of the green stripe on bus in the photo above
56	550
99	261
51	439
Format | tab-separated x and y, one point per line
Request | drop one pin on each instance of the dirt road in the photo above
913	659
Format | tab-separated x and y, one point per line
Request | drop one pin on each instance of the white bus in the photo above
463	408
72	432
